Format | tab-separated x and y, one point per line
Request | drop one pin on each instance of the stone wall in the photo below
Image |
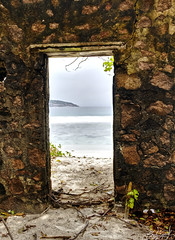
144	106
144	149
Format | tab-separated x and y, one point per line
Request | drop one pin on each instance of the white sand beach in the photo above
79	182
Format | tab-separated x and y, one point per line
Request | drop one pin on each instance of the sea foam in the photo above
80	119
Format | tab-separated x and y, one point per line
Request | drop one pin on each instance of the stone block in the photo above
160	108
128	138
146	5
130	155
49	38
32	126
55	3
168	68
17	102
144	22
16	186
15	33
9	150
37	177
125	5
170	174
161	80
165	139
156	160
38	27
31	1
17	164
129	82
2	87
49	13
36	158
169	125
70	37
89	9
15	3
149	148
140	45
144	66
164	5
130	114
53	25
169	192
121	189
83	27
108	6
172	158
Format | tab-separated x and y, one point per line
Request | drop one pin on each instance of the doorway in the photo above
81	116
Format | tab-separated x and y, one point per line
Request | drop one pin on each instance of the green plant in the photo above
55	151
108	64
131	196
11	212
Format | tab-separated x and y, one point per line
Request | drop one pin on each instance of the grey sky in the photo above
87	86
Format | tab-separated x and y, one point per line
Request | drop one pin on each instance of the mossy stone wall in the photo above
144	124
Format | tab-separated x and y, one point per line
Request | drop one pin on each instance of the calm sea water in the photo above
85	130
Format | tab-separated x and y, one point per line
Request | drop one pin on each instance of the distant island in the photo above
58	103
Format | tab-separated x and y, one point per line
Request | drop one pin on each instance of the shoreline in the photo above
89	151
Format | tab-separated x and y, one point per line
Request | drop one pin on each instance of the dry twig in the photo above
70	64
55	237
7	228
80	63
81	231
82	215
169	233
83	60
68	202
47	209
39	215
92	190
106	212
44	236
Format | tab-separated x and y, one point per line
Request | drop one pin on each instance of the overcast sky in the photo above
89	85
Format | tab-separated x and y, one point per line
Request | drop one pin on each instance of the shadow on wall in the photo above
2	189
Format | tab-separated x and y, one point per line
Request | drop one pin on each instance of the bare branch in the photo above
70	64
81	63
53	237
8	230
83	60
81	231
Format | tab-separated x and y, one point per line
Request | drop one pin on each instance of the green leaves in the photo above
108	64
11	212
130	203
131	197
133	193
57	152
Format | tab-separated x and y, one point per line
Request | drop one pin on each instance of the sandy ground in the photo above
78	183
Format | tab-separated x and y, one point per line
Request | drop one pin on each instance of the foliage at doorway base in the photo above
55	151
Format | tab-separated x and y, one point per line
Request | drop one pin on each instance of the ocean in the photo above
83	131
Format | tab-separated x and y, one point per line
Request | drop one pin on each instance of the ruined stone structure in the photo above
141	36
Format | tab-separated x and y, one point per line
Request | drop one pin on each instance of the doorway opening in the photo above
80	121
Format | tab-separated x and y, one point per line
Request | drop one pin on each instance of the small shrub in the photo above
131	196
55	151
108	64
